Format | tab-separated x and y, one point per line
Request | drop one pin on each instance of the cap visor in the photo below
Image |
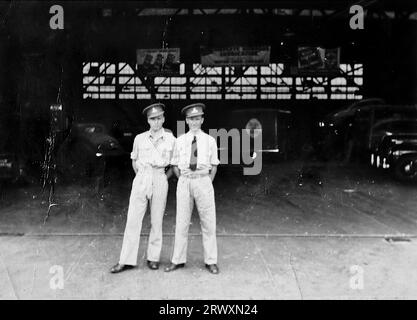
155	115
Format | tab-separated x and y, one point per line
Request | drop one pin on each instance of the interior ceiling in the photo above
393	5
335	9
89	30
285	4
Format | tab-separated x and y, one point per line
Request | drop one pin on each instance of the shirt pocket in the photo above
145	153
182	152
166	153
205	153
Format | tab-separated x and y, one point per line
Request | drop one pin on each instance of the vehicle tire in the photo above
405	169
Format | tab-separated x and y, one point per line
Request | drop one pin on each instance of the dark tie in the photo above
193	157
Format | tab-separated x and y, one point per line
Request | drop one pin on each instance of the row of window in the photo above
118	81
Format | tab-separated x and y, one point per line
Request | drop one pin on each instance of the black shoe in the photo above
174	266
120	267
212	268
153	265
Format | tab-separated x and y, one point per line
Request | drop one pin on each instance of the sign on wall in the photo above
235	56
158	61
316	59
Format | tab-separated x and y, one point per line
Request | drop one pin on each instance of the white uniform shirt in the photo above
149	153
206	153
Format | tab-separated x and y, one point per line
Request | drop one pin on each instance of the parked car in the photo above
87	149
386	134
9	169
335	129
125	133
393	145
274	125
339	117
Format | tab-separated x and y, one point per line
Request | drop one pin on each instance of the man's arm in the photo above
213	172
214	159
135	168
134	155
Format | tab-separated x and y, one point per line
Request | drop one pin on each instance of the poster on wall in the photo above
155	62
318	60
235	56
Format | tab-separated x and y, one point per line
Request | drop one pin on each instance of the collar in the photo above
160	134
190	135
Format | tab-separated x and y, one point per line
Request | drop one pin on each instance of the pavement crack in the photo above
9	278
296	278
77	262
268	270
33	280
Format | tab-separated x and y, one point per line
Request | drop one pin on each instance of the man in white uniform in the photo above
195	162
152	153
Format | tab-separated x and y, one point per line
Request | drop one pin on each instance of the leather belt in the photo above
195	176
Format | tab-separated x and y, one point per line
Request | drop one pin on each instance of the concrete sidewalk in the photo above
294	232
251	267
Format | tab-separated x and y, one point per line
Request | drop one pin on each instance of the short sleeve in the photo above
135	151
214	158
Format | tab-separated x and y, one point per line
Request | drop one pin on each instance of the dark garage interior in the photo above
339	156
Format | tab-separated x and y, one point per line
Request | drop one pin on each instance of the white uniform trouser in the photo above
152	185
201	190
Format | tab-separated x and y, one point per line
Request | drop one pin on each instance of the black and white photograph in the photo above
225	152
